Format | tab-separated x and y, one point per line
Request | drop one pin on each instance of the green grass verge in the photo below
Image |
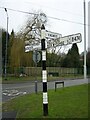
34	78
69	102
19	79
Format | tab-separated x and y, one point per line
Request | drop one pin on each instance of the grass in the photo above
69	102
33	78
18	79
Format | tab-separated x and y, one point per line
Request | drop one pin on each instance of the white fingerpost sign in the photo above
52	35
70	39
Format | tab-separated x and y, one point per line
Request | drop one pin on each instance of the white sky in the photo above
70	10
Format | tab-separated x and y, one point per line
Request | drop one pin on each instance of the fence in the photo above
31	71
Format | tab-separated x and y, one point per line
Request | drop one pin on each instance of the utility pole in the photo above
6	45
85	68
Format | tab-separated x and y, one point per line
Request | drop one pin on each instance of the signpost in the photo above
53	40
29	48
59	41
66	40
52	35
36	45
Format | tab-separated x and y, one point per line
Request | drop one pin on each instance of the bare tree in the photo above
32	31
31	34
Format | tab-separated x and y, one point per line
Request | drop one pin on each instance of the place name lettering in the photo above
70	40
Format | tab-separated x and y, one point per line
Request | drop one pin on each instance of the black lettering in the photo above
75	38
78	37
72	39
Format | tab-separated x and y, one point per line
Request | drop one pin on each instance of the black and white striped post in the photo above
44	72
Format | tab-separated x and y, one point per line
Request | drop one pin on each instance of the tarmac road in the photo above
10	91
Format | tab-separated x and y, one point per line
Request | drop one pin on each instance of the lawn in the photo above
69	102
38	78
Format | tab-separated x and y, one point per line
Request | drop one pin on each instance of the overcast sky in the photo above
69	11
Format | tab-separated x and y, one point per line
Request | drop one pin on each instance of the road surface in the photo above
10	91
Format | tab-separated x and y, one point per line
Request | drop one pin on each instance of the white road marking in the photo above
12	93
